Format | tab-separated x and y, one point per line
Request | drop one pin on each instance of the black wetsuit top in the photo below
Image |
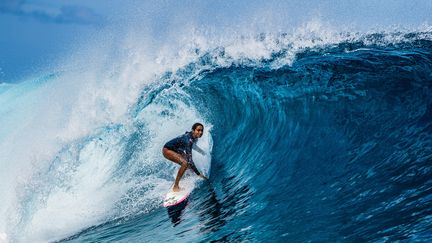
183	145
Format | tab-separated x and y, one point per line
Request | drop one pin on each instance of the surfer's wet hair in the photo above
194	126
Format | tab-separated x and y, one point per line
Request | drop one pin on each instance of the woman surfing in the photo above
179	150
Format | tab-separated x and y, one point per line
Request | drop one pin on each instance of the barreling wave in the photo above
315	138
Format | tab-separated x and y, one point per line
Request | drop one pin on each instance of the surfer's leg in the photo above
180	173
177	158
173	156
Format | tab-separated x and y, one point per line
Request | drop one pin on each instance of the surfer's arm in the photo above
198	149
193	167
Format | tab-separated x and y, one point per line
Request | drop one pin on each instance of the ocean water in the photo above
312	137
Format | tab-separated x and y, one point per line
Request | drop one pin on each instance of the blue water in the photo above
333	143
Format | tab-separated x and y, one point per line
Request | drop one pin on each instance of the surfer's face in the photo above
198	132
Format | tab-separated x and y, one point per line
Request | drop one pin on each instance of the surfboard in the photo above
174	198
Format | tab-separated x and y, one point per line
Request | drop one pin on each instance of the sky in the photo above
36	33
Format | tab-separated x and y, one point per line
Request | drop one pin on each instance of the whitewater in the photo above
314	135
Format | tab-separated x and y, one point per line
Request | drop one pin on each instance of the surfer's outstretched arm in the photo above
198	149
192	166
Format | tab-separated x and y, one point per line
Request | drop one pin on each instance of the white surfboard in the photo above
174	198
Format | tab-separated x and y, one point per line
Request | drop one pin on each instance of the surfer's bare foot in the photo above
176	188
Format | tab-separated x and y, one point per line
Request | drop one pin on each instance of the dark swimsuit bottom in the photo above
177	150
183	154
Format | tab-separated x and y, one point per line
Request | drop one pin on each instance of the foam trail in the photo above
44	123
84	173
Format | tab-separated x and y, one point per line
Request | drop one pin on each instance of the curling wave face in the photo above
319	141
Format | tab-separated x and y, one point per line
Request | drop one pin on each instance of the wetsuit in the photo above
183	146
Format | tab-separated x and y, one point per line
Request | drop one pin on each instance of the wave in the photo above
316	136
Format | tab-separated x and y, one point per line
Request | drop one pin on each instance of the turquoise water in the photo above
327	142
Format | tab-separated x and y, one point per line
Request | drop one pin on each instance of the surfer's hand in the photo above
204	177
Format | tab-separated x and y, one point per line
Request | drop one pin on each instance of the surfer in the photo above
179	150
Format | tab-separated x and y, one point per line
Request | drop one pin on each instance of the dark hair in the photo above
194	126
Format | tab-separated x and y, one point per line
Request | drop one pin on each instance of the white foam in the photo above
203	161
3	238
